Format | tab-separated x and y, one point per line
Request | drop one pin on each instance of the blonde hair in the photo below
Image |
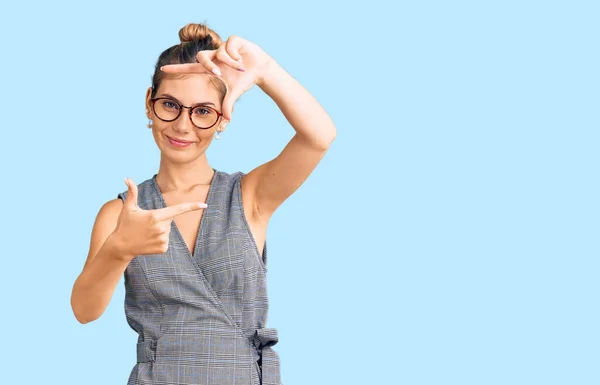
192	32
193	38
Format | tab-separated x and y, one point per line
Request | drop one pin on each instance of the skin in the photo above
242	64
184	174
180	168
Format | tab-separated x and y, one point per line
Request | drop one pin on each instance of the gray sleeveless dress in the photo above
201	318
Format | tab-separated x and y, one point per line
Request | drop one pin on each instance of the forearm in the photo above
299	107
95	286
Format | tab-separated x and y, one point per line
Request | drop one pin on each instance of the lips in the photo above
179	140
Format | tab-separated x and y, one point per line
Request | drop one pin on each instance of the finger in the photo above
223	56
132	194
233	46
172	211
206	58
233	95
187	68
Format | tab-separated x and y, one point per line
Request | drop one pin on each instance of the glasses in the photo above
167	110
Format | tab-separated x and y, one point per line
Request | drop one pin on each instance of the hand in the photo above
239	63
147	231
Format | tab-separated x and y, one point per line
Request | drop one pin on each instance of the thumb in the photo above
132	194
228	101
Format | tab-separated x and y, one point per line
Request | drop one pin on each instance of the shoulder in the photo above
109	213
112	205
231	177
230	182
107	216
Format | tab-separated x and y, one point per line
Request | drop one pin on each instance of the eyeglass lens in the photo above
202	116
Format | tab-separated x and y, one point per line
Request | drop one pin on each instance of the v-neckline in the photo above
174	225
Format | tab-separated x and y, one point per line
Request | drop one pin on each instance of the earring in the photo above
217	131
149	125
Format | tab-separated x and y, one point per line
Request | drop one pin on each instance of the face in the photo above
188	90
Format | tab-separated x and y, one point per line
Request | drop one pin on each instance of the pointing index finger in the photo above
172	211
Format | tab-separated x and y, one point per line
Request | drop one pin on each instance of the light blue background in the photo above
449	235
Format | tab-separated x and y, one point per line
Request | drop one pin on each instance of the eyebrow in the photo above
197	104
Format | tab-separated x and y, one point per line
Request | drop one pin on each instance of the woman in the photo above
191	240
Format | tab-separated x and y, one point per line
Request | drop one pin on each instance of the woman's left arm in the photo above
273	182
267	186
300	108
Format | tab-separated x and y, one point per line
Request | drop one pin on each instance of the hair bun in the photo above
195	32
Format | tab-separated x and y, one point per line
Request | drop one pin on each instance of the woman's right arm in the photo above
104	267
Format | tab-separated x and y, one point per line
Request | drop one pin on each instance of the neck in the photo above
183	176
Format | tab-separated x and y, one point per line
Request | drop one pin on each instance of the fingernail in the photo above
240	68
216	71
161	68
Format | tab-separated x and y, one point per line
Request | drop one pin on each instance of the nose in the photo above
184	123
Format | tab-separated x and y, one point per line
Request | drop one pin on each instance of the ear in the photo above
222	124
148	95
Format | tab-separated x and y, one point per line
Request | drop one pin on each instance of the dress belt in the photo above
263	340
146	351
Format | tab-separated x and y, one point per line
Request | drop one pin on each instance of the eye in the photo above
170	104
202	111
